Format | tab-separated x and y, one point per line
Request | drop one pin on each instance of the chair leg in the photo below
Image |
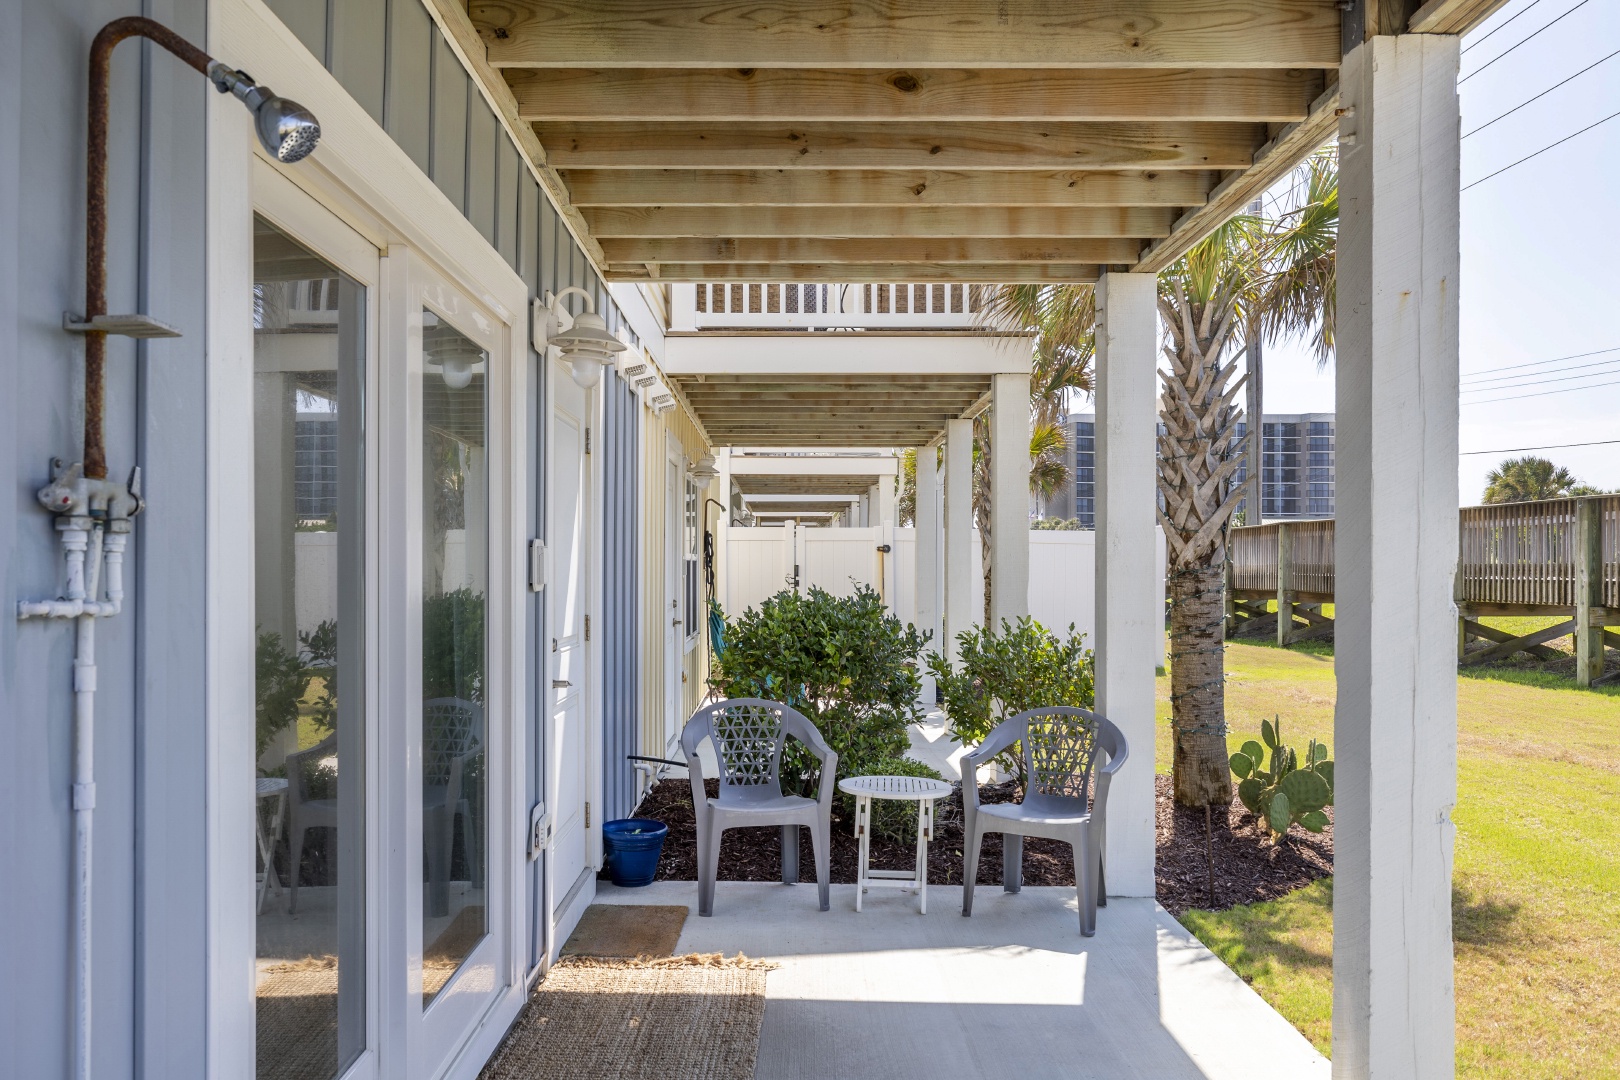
1084	883
821	843
710	870
970	865
295	859
1012	862
1100	847
790	854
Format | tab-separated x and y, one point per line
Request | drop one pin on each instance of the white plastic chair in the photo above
748	735
1059	746
453	735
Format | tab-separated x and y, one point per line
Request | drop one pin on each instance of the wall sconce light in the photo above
586	344
703	469
457	358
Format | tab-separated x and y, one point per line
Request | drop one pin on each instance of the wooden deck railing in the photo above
1555	557
816	305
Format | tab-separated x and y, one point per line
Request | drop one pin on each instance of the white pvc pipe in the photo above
84	805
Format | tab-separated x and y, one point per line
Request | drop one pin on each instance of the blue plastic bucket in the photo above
632	846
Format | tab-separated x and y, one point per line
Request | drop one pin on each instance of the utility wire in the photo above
1539	363
1541	376
1543	382
1554	446
1543	393
1538	153
1541	95
1504	22
1521	41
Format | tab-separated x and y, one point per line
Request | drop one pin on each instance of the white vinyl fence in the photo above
761	562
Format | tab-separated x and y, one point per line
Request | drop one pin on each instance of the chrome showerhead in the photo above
285	128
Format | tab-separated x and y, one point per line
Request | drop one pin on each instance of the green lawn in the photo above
1535	903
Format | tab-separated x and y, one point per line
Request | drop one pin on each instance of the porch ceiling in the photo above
914	140
804	484
776	409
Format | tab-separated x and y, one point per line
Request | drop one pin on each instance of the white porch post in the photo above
1129	616
927	590
958	531
1009	498
1396	652
884	501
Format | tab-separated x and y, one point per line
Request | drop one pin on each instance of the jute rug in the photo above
297	1020
627	930
694	1017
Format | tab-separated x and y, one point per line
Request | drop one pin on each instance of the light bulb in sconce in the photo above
586	344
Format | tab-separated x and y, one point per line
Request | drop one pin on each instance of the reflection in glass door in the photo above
308	445
455	542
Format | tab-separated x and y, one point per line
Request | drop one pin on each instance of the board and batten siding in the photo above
620	447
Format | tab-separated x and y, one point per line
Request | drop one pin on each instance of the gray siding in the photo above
621	658
150	902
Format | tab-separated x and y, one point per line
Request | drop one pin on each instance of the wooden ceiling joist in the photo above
979	273
901	187
609	223
911	33
697	249
1040	147
799	96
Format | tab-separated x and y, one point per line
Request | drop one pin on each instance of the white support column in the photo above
927	563
1009	498
884	499
1395	634
959	592
1130	615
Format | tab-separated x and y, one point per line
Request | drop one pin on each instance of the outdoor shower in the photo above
95	515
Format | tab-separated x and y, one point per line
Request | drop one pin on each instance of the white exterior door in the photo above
567	590
674	568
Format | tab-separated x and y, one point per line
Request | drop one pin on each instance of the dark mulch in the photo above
1248	867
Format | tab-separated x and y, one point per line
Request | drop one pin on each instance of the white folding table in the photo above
867	788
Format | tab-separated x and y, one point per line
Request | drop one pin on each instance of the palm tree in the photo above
1526	478
1251	278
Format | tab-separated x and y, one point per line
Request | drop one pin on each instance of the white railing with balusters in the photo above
817	305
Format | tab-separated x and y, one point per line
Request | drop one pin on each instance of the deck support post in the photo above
959	597
1009	498
927	563
1395	656
1588	591
1130	613
1285	584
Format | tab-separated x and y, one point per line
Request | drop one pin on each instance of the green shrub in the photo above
843	661
1288	793
279	684
999	675
453	646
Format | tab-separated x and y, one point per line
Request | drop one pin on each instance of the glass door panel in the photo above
455	543
308	445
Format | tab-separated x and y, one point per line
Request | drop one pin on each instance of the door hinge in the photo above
587	442
587	815
587	628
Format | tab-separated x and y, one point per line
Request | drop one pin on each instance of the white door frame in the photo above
674	539
363	178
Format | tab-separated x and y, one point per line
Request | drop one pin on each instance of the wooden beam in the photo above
1519	644
715	95
1271	163
1451	16
910	33
1082	145
451	17
691	249
982	273
1491	633
915	187
871	221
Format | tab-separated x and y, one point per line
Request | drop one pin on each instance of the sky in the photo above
1540	277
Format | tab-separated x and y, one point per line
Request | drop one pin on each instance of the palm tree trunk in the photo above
1255	437
1197	695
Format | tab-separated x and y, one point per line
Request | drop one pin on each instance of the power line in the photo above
1554	446
1510	18
1521	41
1543	393
1541	376
1539	363
1538	153
1544	382
1541	95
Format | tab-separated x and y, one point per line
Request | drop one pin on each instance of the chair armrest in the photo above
1001	736
828	781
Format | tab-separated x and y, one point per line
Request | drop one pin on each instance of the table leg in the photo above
863	811
267	848
925	823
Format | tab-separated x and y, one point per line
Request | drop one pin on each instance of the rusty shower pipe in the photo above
287	130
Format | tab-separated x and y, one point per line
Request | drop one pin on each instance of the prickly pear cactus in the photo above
1287	792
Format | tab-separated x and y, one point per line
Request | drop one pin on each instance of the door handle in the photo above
560	684
676	622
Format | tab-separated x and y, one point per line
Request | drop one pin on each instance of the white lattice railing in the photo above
809	305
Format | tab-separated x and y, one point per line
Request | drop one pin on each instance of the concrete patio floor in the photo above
1013	992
